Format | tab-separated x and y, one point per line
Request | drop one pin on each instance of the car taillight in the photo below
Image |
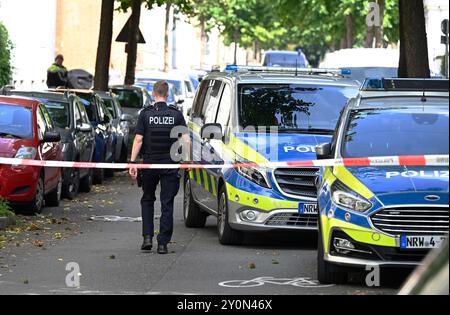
26	153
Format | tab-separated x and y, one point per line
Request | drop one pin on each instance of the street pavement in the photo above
34	261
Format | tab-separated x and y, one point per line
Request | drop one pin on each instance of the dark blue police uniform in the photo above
156	125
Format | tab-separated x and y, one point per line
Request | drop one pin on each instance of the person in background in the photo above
57	74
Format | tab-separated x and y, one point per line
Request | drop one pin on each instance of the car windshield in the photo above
59	111
129	98
293	107
16	122
285	60
177	84
397	132
361	74
149	88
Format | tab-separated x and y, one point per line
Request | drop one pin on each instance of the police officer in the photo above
153	137
57	73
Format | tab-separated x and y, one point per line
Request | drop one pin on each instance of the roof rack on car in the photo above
405	85
311	71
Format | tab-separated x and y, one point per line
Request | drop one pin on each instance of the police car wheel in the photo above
326	272
99	176
194	217
227	236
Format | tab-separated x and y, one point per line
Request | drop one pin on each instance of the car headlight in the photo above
26	153
347	198
252	174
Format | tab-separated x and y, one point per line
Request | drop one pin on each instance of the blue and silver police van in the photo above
385	216
248	115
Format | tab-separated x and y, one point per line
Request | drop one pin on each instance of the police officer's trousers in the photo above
170	185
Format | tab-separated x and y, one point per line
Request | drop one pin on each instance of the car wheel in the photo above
194	217
227	236
326	272
124	154
53	199
87	182
38	202
72	186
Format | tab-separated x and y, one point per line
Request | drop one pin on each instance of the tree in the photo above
414	60
5	56
104	46
166	38
133	42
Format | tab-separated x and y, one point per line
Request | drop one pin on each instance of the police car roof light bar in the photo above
406	85
340	72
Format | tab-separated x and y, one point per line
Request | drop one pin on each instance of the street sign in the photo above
124	34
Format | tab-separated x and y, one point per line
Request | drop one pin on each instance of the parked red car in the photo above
27	132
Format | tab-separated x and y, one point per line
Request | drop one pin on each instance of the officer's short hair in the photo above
161	88
59	57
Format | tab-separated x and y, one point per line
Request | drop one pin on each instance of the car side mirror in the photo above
180	101
212	132
126	117
85	128
51	137
323	151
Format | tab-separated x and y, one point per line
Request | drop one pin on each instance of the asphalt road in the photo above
34	261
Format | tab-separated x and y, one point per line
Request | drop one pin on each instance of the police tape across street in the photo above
420	160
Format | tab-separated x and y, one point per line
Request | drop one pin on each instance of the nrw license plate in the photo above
421	242
308	208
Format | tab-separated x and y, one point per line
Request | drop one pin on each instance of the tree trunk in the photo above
414	61
379	30
236	46
350	36
166	38
375	32
133	42
203	43
104	46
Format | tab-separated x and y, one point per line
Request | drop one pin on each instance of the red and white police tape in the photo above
420	160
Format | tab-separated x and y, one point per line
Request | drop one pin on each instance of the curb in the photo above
6	222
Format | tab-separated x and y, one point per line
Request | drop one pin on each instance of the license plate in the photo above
421	242
305	208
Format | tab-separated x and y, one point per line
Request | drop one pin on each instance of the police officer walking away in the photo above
153	135
57	73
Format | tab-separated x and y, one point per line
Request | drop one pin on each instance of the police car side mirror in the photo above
323	151
212	132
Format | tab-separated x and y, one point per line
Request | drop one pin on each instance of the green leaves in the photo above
5	56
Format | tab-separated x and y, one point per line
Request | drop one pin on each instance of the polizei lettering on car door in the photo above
162	120
424	174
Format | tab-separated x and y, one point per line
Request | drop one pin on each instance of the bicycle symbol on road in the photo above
258	282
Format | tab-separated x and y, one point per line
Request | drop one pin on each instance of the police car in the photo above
249	115
385	216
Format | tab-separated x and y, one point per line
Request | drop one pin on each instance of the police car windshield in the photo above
397	131
293	107
59	111
16	122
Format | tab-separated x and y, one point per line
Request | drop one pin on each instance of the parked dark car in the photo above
105	137
121	123
132	99
77	137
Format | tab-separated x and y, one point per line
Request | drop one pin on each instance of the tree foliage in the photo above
5	56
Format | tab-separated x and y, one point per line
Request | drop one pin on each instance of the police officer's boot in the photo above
148	243
162	250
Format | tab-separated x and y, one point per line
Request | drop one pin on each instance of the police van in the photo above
256	115
385	216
